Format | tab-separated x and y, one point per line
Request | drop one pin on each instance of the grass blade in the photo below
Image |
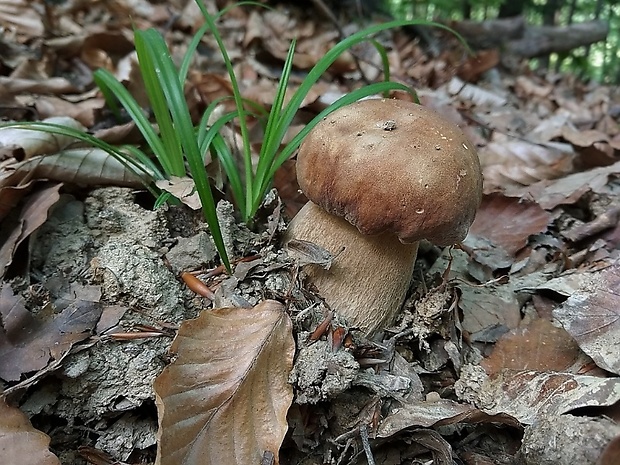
172	89
135	112
150	45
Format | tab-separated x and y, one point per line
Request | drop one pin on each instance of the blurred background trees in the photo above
599	61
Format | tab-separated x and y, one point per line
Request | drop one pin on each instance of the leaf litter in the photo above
502	345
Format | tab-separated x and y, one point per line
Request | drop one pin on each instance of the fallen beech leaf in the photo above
27	343
20	443
583	138
505	224
224	400
475	66
527	87
537	346
22	18
591	315
489	311
567	440
87	166
442	412
527	394
509	163
182	188
285	181
32	215
477	95
567	190
34	142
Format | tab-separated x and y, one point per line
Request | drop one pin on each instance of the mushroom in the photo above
381	175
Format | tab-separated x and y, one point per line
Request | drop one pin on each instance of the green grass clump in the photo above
179	147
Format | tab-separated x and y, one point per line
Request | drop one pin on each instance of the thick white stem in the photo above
368	280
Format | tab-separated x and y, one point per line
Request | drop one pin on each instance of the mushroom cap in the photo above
392	165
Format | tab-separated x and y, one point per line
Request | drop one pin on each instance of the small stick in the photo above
366	444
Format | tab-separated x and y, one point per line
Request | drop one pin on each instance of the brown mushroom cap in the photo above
391	165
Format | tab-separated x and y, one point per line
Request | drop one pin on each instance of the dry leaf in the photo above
20	443
224	400
27	342
502	228
32	215
430	414
475	94
538	346
489	311
569	189
475	66
20	16
183	189
592	316
527	394
34	142
87	167
515	163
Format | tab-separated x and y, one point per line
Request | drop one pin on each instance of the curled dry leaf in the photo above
20	443
31	142
525	395
183	189
27	343
475	94
567	440
502	228
21	17
569	189
225	399
537	346
32	215
429	414
87	166
513	163
591	315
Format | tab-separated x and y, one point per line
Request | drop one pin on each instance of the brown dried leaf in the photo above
285	181
526	87
224	400
569	189
53	85
502	228
488	312
474	94
21	17
32	215
87	166
583	138
442	412
538	346
27	343
475	66
35	143
20	443
182	188
517	163
592	316
527	394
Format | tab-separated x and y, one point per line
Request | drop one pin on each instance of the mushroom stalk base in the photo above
368	281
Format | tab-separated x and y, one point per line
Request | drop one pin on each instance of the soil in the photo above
128	258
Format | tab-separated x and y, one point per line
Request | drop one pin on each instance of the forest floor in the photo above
507	349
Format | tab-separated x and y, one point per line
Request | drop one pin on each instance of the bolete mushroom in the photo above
381	175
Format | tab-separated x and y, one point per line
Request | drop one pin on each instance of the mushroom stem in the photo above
368	281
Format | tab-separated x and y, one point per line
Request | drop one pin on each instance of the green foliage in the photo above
178	145
600	61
